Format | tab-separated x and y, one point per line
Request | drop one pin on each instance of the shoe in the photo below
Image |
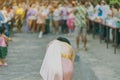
1	64
85	49
5	64
78	49
40	35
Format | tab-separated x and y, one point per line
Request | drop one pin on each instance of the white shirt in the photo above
90	10
106	10
97	9
4	12
56	12
64	12
71	15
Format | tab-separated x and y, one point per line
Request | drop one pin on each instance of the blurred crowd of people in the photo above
38	16
107	14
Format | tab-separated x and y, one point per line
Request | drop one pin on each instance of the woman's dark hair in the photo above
64	40
2	29
116	6
83	2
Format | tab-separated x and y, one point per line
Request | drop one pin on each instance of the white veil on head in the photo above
51	68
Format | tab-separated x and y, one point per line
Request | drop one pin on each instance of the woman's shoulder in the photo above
4	36
1	37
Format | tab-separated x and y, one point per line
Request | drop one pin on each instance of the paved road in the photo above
26	53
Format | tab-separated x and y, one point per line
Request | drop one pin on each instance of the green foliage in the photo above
115	1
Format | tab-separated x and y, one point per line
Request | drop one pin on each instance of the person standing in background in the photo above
105	10
70	20
56	18
47	20
3	46
41	17
63	14
5	20
81	24
19	13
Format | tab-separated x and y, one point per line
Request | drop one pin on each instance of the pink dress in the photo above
2	42
70	21
40	17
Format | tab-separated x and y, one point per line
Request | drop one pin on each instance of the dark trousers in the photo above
7	28
118	37
96	28
64	27
103	32
90	26
47	26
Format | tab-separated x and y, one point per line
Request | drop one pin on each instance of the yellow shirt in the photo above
20	12
119	10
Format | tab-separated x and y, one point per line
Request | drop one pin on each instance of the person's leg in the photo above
90	26
66	27
7	29
104	33
56	26
85	42
4	62
69	27
0	57
12	24
20	23
33	25
38	27
42	30
119	37
43	27
30	24
77	34
35	29
72	27
27	26
96	28
62	26
1	62
47	29
77	42
84	37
